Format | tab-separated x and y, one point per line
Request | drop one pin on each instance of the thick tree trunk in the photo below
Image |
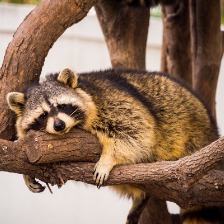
176	49
192	45
151	211
206	48
125	30
26	53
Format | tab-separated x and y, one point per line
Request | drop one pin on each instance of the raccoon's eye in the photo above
68	109
43	116
61	106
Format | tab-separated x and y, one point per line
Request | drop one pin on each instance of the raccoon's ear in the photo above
68	77
16	102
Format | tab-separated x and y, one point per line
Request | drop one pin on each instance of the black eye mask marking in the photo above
72	111
39	123
68	109
43	116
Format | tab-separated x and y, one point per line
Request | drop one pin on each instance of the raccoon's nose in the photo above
59	125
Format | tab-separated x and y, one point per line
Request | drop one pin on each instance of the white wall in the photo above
82	48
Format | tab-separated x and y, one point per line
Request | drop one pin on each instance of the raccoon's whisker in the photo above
73	112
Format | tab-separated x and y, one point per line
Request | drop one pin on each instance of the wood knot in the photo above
4	147
50	146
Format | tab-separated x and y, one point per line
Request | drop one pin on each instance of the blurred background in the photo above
82	48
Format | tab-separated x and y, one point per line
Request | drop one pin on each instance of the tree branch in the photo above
185	181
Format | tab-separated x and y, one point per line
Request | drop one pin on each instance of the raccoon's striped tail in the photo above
203	215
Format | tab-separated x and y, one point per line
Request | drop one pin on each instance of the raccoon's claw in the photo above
101	174
33	185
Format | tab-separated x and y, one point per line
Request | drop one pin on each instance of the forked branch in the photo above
187	182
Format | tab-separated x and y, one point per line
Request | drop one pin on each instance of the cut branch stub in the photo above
41	148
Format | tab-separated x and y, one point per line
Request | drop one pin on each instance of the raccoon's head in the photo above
54	106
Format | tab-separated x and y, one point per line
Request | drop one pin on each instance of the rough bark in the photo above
151	210
193	45
176	49
26	53
188	181
125	30
207	51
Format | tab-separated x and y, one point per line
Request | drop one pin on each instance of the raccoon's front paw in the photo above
101	173
32	184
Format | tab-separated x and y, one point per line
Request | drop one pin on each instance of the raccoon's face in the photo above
54	106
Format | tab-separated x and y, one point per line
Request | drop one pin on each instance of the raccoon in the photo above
138	116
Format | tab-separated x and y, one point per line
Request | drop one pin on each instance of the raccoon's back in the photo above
182	122
179	114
